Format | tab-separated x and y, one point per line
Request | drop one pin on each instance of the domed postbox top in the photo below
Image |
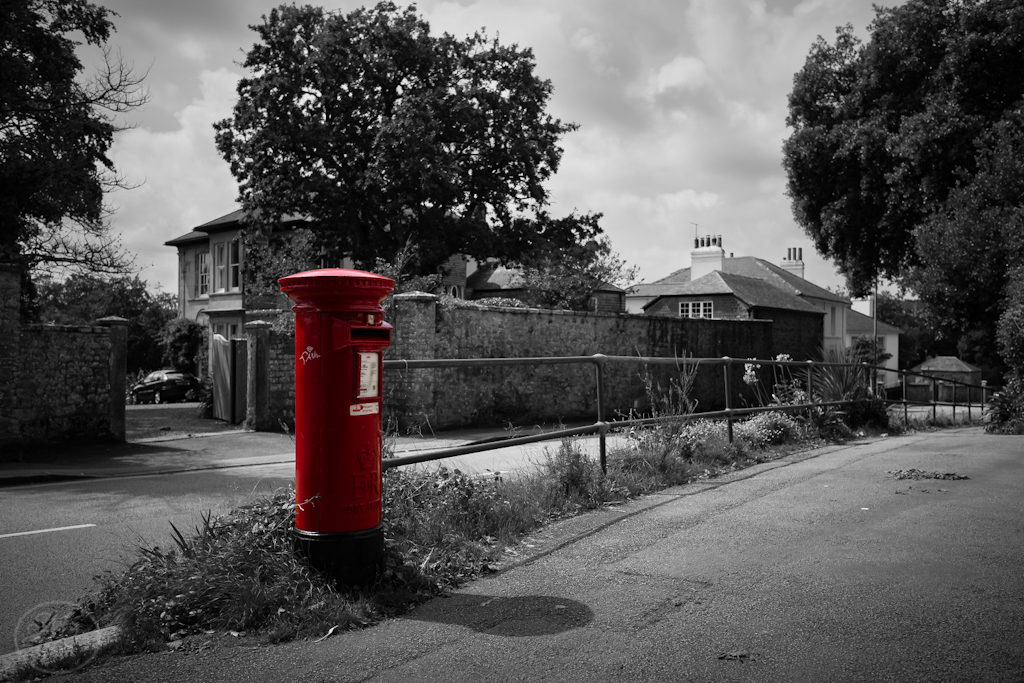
337	289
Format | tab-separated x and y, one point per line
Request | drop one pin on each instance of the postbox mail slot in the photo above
361	334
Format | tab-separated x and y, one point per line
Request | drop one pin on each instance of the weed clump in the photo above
238	573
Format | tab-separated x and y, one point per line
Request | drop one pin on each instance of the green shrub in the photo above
768	429
1010	337
1005	411
182	340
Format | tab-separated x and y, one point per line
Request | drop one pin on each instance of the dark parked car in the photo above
164	386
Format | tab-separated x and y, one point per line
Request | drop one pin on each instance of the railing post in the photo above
906	417
810	381
728	395
599	361
970	401
935	401
954	401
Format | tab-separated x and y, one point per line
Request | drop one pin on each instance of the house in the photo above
210	287
859	325
742	287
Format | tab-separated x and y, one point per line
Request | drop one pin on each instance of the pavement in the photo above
236	448
819	566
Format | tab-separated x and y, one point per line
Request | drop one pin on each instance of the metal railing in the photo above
601	426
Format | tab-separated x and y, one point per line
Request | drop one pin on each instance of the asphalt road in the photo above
818	567
110	516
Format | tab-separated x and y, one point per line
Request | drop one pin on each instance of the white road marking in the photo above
46	531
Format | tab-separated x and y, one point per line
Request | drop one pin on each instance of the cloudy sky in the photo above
681	106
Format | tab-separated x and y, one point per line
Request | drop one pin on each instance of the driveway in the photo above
169	420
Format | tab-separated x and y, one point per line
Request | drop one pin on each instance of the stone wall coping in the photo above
112	321
416	296
50	327
257	324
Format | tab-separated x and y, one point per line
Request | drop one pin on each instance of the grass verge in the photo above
237	574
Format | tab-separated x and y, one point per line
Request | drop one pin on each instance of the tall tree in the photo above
55	131
384	136
81	299
898	158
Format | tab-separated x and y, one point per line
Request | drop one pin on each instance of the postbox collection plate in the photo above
369	373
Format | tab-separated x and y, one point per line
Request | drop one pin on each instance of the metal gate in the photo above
229	378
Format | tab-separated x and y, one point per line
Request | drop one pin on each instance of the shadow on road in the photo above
532	615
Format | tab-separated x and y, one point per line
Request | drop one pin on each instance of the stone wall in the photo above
801	335
270	378
448	398
58	382
451	398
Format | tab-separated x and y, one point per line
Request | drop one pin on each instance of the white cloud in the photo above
682	72
682	110
184	180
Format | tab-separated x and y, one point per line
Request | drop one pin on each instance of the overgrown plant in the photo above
1005	411
788	387
675	398
849	382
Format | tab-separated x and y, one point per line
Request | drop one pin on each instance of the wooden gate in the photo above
229	378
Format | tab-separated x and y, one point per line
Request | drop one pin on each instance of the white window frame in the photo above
220	266
697	309
203	274
234	265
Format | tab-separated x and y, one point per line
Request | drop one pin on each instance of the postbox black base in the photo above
351	558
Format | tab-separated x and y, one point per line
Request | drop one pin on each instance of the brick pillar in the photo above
257	407
10	345
118	370
409	394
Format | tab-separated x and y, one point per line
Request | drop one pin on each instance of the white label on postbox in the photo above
364	409
369	371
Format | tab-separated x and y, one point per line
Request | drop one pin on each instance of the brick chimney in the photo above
794	261
707	256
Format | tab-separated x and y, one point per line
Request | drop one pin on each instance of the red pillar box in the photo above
340	337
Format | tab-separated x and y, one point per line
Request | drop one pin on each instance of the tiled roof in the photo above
489	277
749	290
858	323
665	285
746	266
764	270
194	236
233	219
945	364
226	222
